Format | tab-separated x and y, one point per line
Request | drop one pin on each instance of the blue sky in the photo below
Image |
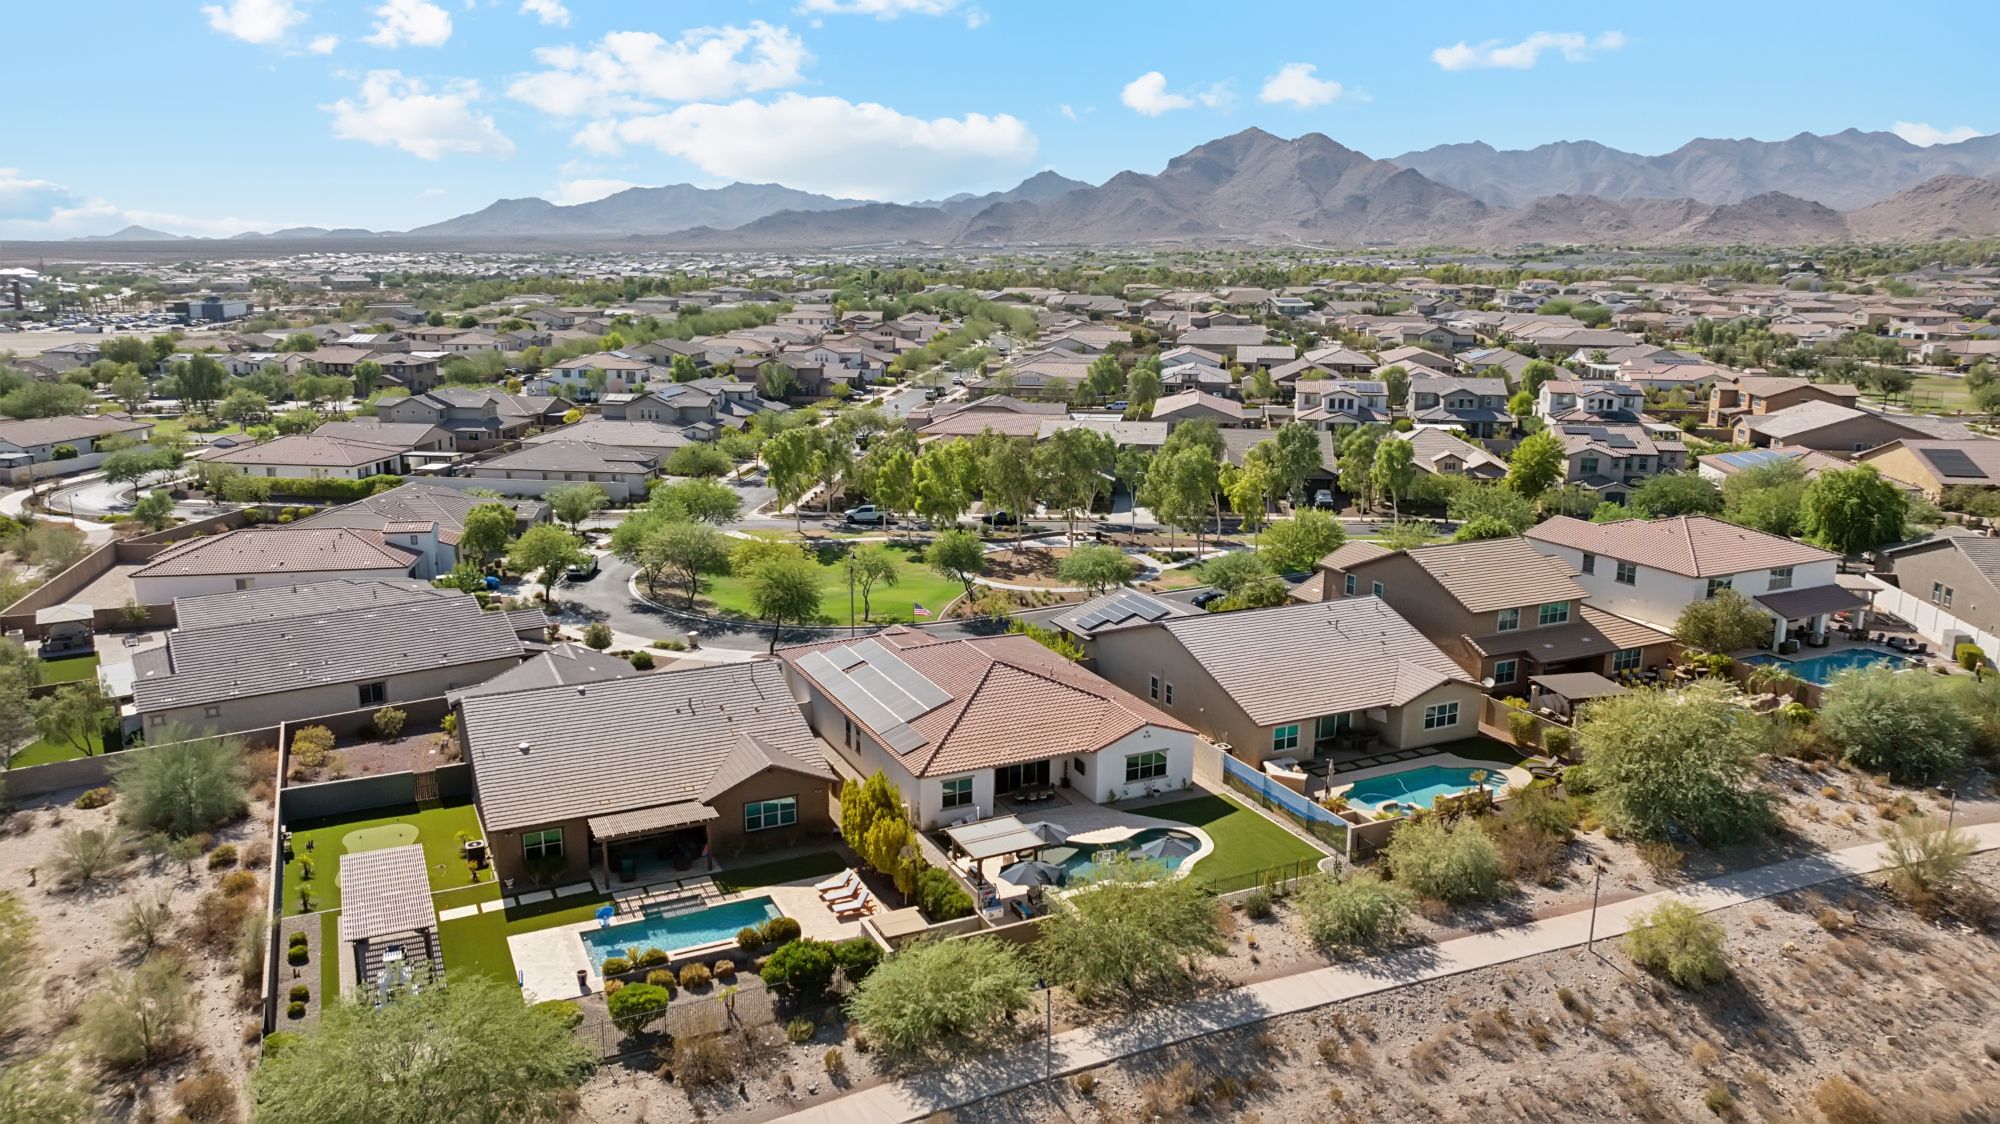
212	118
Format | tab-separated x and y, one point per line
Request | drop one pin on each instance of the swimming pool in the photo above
1168	846
671	932
1394	793
1822	669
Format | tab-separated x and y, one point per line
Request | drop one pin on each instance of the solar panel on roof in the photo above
1954	462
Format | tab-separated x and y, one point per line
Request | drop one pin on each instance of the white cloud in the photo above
41	209
433	193
23	198
550	12
1067	111
1218	96
414	23
1493	53
569	193
628	71
323	44
975	18
1147	95
1924	136
254	21
880	9
829	144
405	113
1294	83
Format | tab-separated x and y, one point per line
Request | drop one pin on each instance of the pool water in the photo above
670	932
1822	669
1080	859
1418	787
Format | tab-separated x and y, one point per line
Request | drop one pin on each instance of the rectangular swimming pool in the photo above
670	932
1411	789
1822	669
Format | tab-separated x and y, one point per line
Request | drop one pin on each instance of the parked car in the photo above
584	570
1001	518
1119	405
1208	597
1323	498
866	513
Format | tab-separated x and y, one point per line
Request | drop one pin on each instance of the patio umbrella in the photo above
1166	848
604	915
1050	833
1033	873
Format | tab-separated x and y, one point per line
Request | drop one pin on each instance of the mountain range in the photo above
1253	187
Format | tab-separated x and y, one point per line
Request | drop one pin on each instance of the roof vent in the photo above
523	747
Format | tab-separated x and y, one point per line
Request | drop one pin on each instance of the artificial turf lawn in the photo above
917	584
1245	842
437	831
70	669
478	944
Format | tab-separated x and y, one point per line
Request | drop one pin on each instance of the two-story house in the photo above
1500	609
1589	400
1612	459
1731	397
477	417
1476	405
1947	585
622	374
1329	404
1650	570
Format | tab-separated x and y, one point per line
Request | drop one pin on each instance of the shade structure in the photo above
1034	873
1050	833
1165	848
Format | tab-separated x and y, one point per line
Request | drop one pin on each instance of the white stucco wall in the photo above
1657	596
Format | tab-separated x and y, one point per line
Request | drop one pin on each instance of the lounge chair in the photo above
864	904
837	904
840	885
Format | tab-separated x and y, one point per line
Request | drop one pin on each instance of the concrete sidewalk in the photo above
1086	1047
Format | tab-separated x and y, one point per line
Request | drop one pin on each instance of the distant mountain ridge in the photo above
1843	170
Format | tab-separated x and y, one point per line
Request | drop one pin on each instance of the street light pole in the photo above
850	604
1048	1032
1596	884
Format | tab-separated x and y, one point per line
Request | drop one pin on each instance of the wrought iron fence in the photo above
1316	821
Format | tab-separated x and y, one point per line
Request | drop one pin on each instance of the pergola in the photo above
1570	688
994	838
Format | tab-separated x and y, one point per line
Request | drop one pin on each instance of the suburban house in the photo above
534	468
1947	585
257	557
1730	398
251	659
1439	453
1121	608
603	775
1476	405
1932	466
1501	610
1717	468
620	373
27	442
1611	459
1196	405
1589	400
955	724
423	517
1649	570
307	456
1285	681
1341	403
478	417
1825	426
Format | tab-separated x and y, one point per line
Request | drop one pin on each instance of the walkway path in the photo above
1003	1071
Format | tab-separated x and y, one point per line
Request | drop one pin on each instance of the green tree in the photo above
44	400
1664	761
131	390
1131	929
777	381
1908	726
784	589
545	549
1522	407
1851	510
935	990
487	529
862	804
1393	471
684	369
75	716
1294	453
700	501
470	1051
1679	942
789	461
868	567
1250	490
1232	571
1447	862
199	381
1536	464
801	970
180	785
1766	497
1096	567
1357	464
636	1004
1481	528
367	376
683	552
892	473
574	503
1537	372
1297	544
1007	475
938	488
958	555
1143	388
1725	622
1072	468
1675	493
1357	912
701	459
128	465
1396	379
1103	377
1181	486
140	1017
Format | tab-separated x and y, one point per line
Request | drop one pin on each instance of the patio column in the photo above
604	862
1778	634
1819	628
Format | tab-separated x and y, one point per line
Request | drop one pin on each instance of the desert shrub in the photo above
597	635
1908	726
222	856
217	919
311	745
748	937
800	1030
567	1013
84	853
249	950
934	990
1359	911
1131	929
940	897
663	978
1556	740
835	1062
724	969
300	992
1527	853
857	958
781	930
1544	810
615	966
206	1098
1664	761
1258	905
96	797
180	787
700	1062
651	958
238	882
635	1005
1927	862
695	975
1452	862
388	721
139	1017
255	854
147	919
17	955
1841	1101
801	970
1677	941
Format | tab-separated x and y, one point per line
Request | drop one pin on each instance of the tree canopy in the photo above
1685	760
1725	622
1851	510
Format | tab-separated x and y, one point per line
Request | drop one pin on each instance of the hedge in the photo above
331	488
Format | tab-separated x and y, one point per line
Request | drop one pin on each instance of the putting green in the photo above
377	838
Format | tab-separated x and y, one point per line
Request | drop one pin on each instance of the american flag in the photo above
918	608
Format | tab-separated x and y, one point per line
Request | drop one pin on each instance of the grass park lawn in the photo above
435	826
1935	392
1245	842
178	427
71	669
917	584
329	962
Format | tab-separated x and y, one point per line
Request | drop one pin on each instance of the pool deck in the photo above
1091	824
548	959
1514	775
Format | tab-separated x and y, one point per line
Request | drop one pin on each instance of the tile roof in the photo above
1497	574
262	657
279	550
1593	632
1007	700
628	745
416	501
42	431
570	456
227	610
1121	608
1695	546
1295	661
562	665
312	450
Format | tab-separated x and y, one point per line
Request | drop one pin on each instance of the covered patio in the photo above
1806	615
1557	696
388	924
649	842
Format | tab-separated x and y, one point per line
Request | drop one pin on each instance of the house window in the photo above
1627	574
1555	612
1781	578
1947	597
1587	466
1145	766
760	815
1153	687
1375	588
1284	739
374	694
1590	563
1353	585
958	793
1717	585
542	844
1510	619
1440	715
1625	659
1505	671
1169	695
